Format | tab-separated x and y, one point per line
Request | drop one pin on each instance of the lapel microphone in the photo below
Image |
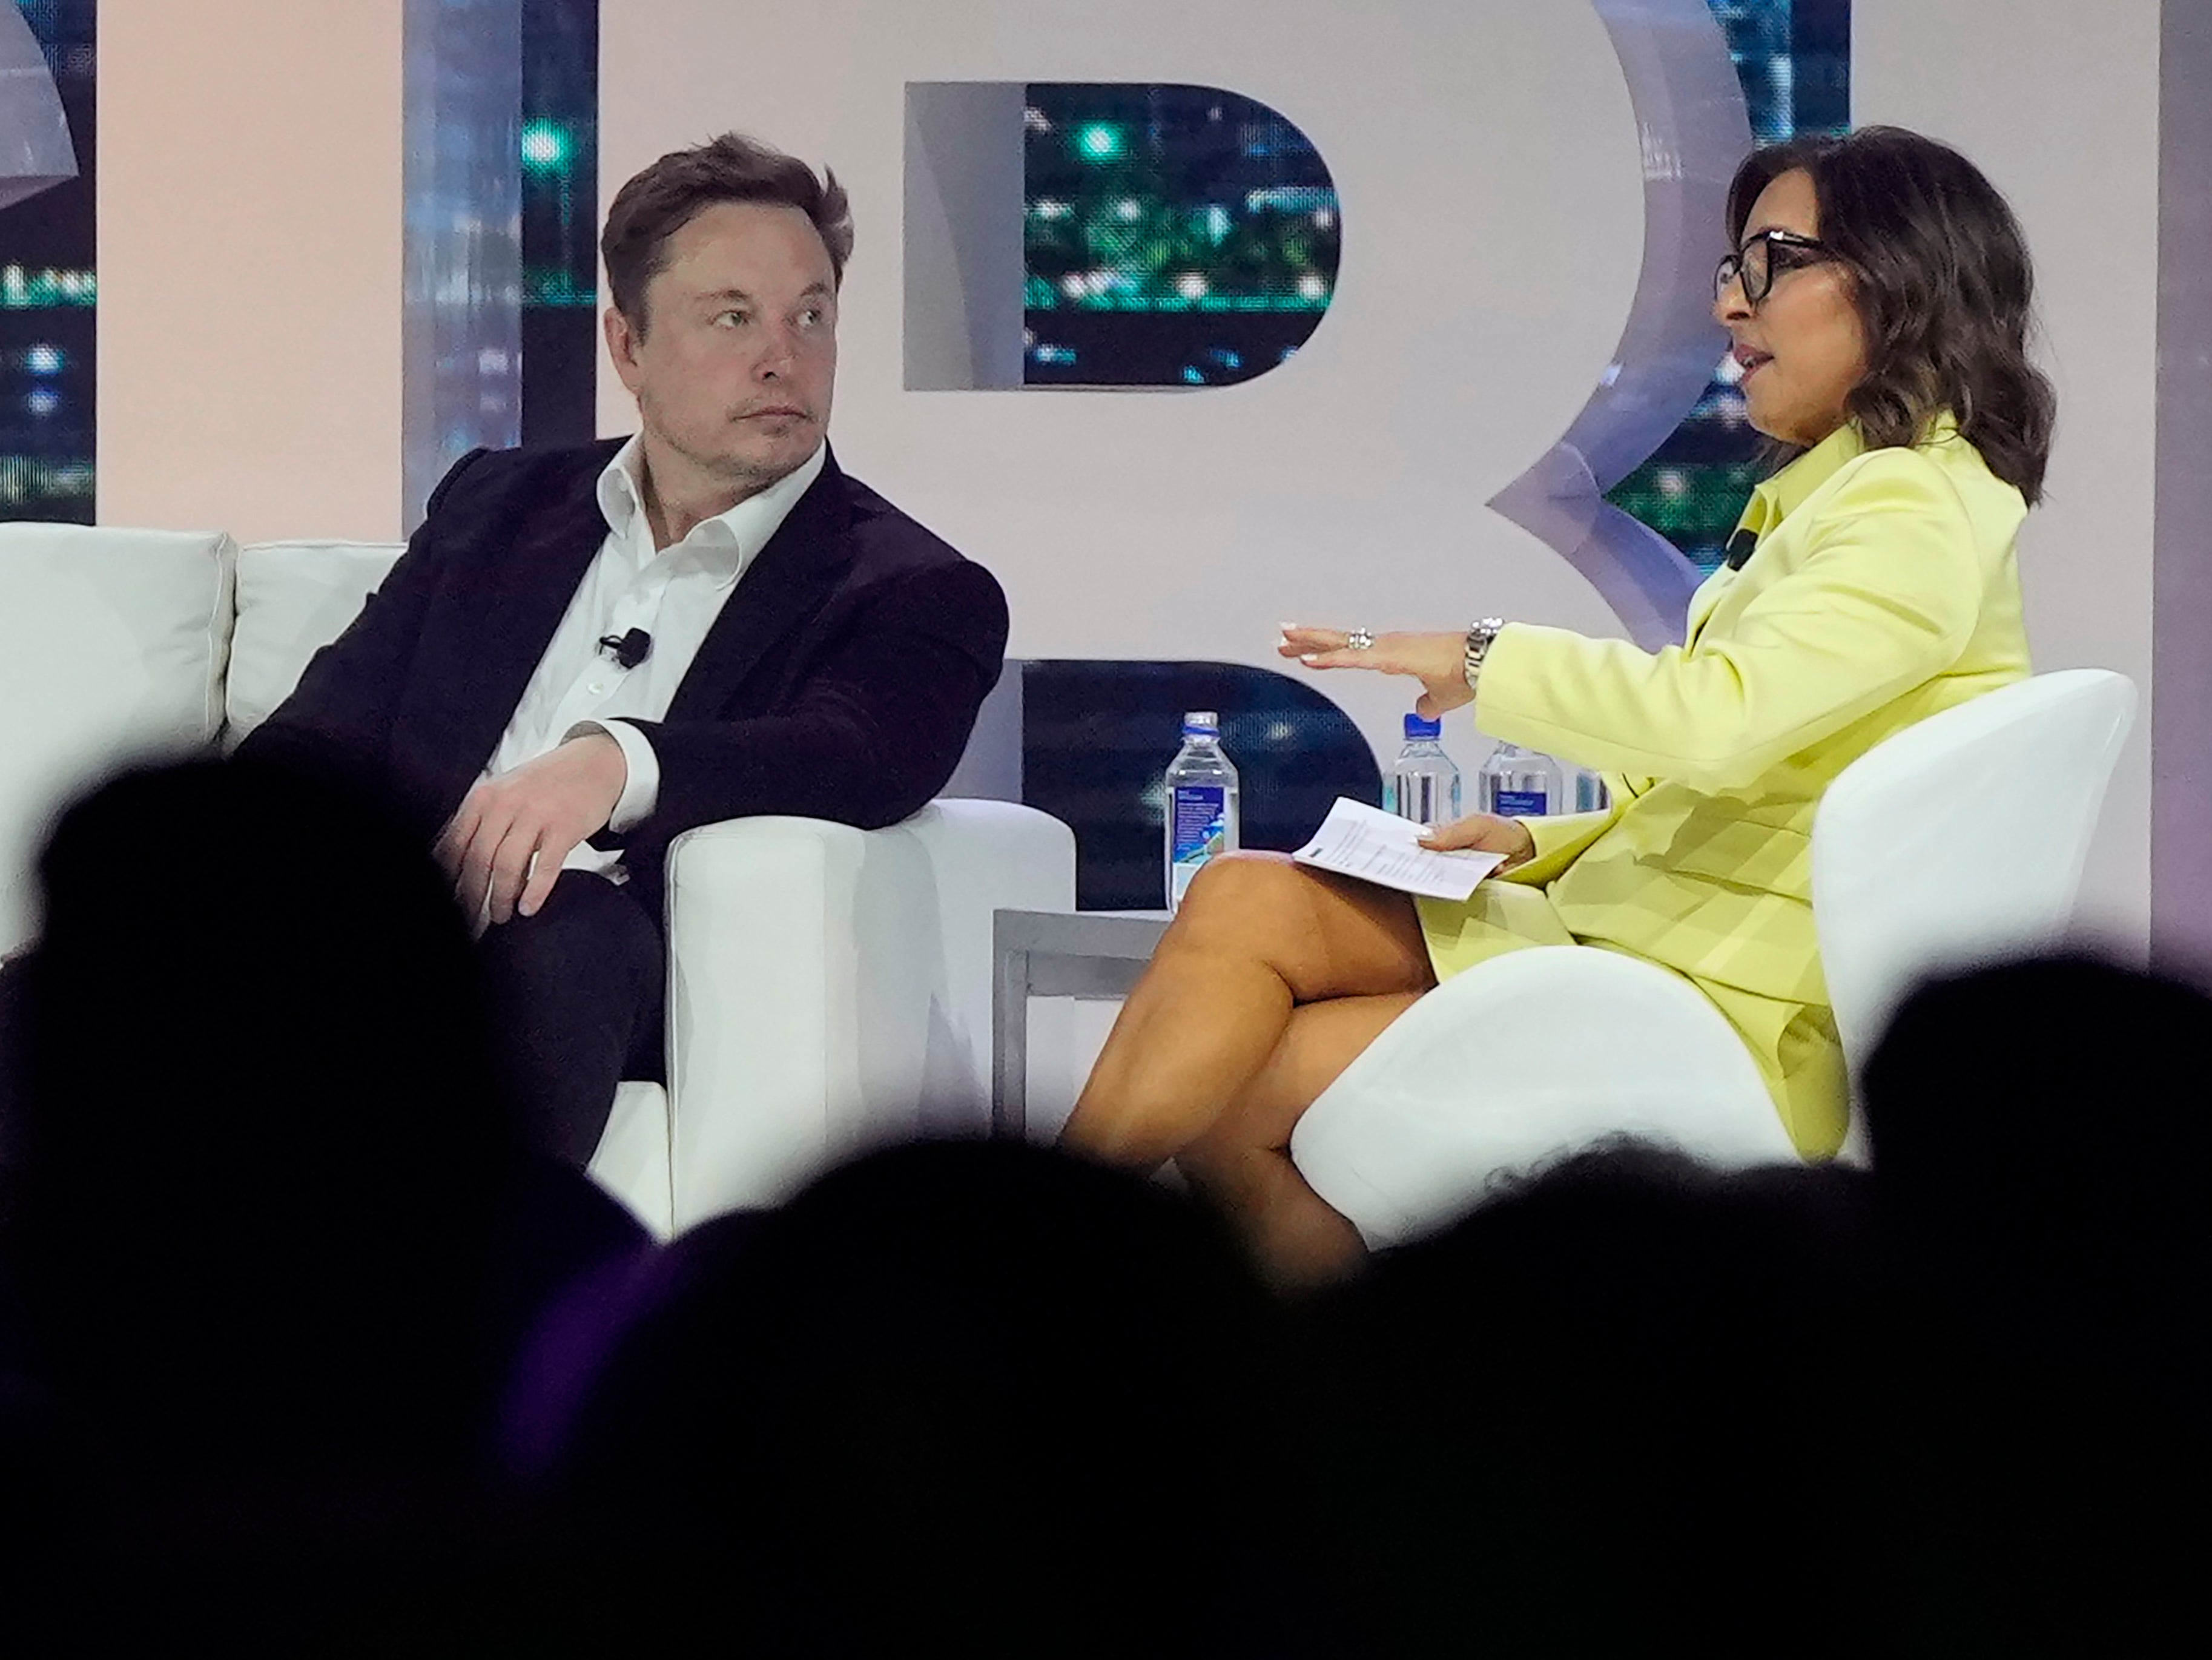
629	650
1741	547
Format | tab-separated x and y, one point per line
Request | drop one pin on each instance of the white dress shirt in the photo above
674	594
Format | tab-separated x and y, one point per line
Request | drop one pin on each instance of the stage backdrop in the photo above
250	169
1490	170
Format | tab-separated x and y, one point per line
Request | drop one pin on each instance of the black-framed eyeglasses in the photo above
1762	259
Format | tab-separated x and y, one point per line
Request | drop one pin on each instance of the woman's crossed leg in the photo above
1272	978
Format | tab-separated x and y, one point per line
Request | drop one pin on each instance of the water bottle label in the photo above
1414	795
1521	804
1198	829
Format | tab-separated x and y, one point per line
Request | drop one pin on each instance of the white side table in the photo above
1054	953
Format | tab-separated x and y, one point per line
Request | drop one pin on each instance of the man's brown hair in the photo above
668	195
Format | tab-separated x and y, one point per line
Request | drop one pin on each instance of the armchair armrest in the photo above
830	987
1517	1061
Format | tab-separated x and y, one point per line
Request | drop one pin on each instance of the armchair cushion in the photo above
120	638
1520	1060
293	598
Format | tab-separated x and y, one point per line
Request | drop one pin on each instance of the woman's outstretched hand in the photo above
1483	833
1437	661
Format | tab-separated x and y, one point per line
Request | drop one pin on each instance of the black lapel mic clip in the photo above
629	650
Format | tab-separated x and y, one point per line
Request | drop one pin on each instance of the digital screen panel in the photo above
48	291
1793	58
1172	236
559	155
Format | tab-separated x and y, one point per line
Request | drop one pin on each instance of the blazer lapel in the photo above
526	600
785	583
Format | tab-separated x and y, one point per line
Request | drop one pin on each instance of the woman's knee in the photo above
1240	898
1327	938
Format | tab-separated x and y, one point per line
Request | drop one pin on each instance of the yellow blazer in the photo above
1883	588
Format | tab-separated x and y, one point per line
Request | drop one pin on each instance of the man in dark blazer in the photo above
586	652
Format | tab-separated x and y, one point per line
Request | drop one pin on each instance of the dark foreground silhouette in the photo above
272	1241
978	1391
300	1351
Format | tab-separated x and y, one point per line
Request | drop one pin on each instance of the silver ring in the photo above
1358	641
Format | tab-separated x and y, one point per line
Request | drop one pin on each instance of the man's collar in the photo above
744	529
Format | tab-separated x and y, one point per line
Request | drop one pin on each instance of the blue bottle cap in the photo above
1201	723
1418	728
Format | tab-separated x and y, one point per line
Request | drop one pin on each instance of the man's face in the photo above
735	365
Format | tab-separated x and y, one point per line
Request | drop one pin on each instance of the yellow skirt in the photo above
1794	1044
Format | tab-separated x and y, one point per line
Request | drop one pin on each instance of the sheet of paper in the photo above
1359	840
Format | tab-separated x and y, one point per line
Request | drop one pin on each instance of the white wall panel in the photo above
2058	103
1491	173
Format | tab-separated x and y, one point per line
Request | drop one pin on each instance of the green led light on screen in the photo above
1099	141
544	145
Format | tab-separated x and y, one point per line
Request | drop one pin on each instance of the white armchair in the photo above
827	986
1959	840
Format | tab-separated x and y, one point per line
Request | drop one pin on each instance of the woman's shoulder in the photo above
1943	479
1943	469
1952	451
1946	452
1892	477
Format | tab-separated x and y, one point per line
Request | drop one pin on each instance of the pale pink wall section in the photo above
250	265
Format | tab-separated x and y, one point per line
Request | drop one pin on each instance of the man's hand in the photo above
1485	832
1437	661
539	812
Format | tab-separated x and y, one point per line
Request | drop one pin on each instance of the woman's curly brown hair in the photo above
1943	286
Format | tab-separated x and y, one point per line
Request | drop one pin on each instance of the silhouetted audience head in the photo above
2042	1154
1611	1410
275	1238
2035	1128
263	1170
260	1123
975	1393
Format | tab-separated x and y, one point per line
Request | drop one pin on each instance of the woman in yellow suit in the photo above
1878	296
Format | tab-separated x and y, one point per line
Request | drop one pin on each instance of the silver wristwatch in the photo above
1478	645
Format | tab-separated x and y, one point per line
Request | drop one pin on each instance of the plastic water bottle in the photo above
1518	783
1201	802
1423	785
